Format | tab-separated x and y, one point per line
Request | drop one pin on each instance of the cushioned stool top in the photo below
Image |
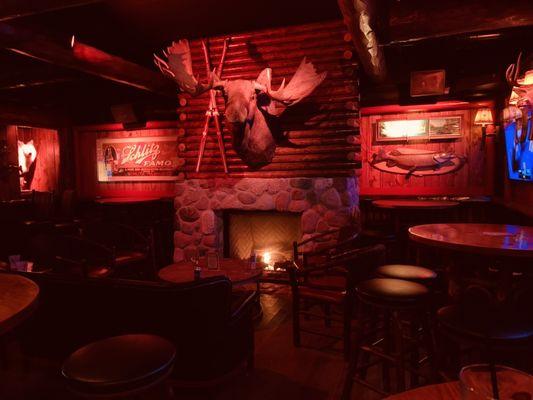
119	363
395	290
408	272
485	324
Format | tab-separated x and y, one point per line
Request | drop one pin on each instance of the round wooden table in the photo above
480	255
237	271
403	209
485	239
442	391
414	204
18	299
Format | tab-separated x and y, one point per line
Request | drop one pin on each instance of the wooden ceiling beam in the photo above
415	20
13	9
80	57
34	116
29	83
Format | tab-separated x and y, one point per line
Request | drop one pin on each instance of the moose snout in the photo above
236	113
236	110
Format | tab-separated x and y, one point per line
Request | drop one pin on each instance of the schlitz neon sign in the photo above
137	159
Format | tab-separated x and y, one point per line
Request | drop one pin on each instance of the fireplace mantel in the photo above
325	203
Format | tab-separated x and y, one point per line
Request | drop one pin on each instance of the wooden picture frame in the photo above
391	130
428	128
445	127
428	83
137	159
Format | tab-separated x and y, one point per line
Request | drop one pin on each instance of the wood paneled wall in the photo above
475	178
9	175
324	126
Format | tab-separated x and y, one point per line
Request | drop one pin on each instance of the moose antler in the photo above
178	66
303	82
512	74
522	91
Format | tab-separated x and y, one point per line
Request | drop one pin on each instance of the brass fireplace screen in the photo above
261	232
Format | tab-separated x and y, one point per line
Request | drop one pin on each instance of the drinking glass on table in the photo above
486	382
193	256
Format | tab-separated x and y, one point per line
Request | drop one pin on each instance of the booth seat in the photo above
211	329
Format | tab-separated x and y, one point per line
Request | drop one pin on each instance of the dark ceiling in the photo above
473	46
133	29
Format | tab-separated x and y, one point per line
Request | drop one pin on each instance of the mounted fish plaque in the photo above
417	162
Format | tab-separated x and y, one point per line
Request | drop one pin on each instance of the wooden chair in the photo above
132	251
66	221
39	219
332	278
71	255
358	265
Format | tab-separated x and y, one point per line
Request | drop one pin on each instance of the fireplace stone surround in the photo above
324	203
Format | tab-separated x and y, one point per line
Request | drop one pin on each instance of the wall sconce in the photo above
483	118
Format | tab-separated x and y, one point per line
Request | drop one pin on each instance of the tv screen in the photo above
519	146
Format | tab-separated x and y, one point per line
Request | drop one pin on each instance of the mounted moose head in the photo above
252	107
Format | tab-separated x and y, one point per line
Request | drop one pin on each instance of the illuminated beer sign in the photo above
137	159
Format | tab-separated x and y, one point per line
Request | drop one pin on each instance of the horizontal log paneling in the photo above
320	128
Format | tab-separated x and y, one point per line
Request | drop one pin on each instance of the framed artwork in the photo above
403	129
137	159
445	127
428	83
422	129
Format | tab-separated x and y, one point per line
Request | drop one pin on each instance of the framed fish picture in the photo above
445	127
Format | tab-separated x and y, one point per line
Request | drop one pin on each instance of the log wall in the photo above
324	127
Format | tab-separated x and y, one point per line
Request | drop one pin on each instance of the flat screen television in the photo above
519	148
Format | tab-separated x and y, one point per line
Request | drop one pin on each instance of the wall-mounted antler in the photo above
524	92
179	67
301	85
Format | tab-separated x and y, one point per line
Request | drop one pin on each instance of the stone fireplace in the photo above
322	203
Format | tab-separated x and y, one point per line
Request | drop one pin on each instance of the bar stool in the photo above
388	301
407	272
128	366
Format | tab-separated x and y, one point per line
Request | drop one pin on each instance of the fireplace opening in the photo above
267	234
